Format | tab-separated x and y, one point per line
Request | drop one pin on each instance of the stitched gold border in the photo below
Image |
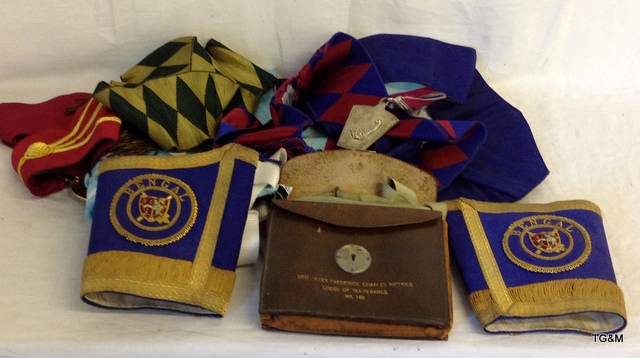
206	247
149	276
552	298
486	258
497	208
179	161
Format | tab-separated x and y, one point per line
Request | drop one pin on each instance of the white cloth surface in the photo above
572	67
265	182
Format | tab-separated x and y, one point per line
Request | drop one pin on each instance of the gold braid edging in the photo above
552	298
154	277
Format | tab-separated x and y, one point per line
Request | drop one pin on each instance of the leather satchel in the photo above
356	270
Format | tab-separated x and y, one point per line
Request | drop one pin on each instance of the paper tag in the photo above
365	125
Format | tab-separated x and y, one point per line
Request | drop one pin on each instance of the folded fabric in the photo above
536	267
178	93
166	231
49	159
473	145
19	120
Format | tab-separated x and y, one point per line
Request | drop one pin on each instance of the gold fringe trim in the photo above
552	298
153	277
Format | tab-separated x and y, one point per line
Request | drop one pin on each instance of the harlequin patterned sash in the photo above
474	145
178	93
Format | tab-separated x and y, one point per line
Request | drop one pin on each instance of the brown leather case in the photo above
405	291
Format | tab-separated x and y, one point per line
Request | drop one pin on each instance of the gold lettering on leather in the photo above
355	290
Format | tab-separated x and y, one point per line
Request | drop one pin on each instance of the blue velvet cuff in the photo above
536	267
166	231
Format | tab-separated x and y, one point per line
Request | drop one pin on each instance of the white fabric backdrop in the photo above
571	67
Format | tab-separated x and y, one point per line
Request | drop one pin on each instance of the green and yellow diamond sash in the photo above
179	92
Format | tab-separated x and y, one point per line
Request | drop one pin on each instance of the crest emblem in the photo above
547	243
153	209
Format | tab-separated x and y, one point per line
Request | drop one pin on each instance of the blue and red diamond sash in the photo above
475	146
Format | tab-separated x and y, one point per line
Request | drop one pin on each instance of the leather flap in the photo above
357	215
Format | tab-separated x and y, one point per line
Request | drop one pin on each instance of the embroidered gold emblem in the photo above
547	243
153	209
